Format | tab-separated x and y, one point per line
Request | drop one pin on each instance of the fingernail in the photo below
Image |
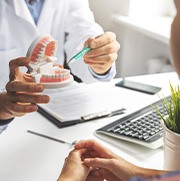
39	88
46	99
34	108
93	45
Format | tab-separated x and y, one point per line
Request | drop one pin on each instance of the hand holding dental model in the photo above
43	66
21	95
23	90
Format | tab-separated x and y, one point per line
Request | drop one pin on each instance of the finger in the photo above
16	86
95	175
102	65
90	154
21	109
15	64
29	98
93	145
89	144
113	47
28	77
99	163
75	157
102	40
19	62
77	152
101	60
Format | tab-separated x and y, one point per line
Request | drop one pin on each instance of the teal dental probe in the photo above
79	55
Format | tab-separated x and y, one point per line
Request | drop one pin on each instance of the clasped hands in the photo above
91	161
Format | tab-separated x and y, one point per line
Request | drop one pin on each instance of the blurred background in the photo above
142	28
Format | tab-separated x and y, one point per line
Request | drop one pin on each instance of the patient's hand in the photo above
74	168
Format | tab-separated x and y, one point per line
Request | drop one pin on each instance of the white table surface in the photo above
26	157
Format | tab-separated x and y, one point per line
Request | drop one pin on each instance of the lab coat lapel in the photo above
22	11
47	13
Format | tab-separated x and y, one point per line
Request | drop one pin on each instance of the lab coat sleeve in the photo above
80	25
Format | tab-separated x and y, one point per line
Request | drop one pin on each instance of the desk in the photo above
25	157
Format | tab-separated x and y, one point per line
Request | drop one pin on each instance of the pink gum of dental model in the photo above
42	63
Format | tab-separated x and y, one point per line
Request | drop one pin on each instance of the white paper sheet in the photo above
80	99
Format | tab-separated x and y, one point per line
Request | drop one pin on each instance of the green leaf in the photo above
172	108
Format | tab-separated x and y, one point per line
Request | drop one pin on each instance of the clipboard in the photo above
83	119
80	103
56	121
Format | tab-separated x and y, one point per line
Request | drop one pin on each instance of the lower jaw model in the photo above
43	66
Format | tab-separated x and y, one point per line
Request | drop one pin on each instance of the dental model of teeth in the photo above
42	65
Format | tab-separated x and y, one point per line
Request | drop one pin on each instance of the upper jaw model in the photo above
43	66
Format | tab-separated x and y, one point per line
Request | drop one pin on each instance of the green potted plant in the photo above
171	129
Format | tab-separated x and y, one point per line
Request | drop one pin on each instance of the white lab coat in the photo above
58	17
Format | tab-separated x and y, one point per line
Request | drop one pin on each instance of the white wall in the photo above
104	8
136	48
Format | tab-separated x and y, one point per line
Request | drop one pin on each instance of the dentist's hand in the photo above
103	52
22	95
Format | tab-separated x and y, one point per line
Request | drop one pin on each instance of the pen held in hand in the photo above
51	138
79	55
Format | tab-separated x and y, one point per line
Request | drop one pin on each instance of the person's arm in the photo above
104	159
21	95
81	28
175	38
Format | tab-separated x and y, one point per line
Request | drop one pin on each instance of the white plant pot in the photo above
171	149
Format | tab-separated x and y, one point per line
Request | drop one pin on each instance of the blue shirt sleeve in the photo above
110	75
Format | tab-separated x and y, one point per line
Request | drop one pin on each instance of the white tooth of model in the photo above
42	63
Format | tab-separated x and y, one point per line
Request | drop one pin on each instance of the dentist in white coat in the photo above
72	24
